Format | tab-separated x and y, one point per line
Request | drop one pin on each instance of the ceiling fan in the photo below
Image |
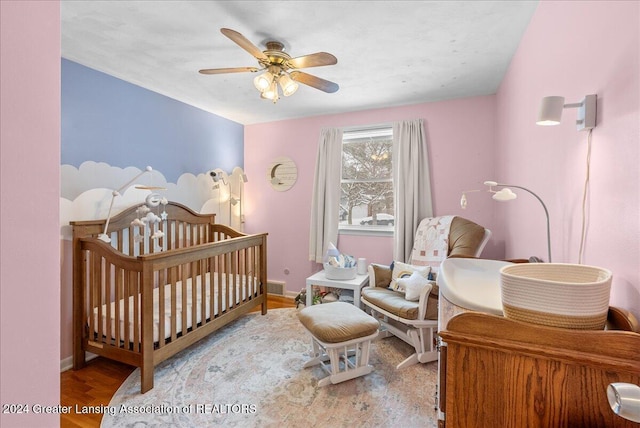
279	68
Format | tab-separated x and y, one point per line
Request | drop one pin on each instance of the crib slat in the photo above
257	270
244	280
245	275
127	317
175	235
107	299
174	299
120	241
97	293
211	276
234	279
170	234
92	300
161	307
134	283
194	296
254	270
227	269
183	301
131	250
203	290
185	235
220	290
118	273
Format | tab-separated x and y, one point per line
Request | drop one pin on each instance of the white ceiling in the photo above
389	52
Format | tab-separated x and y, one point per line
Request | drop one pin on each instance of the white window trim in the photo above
364	230
354	133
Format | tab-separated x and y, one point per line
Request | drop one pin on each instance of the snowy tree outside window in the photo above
366	201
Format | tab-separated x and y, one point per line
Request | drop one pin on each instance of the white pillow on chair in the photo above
413	286
403	270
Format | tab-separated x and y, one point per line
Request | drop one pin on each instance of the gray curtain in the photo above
325	204
411	184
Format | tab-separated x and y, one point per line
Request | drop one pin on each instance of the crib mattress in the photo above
238	292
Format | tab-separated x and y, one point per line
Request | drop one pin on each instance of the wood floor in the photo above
96	383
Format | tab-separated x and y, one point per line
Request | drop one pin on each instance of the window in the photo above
366	199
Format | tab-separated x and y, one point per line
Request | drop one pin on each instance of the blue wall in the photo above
105	119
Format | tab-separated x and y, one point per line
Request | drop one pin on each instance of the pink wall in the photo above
29	215
573	49
460	138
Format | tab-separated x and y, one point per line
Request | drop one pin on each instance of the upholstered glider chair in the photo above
404	296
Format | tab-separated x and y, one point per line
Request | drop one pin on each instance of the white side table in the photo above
354	284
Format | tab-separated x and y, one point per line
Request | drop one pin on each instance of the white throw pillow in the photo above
413	286
403	270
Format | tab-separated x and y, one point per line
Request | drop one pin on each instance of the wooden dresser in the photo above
496	372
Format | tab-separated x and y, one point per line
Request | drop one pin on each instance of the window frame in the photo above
355	133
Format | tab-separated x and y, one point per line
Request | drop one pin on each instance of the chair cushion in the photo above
464	237
382	275
395	303
337	322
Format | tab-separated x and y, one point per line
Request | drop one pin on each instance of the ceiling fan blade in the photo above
317	59
228	70
315	82
245	44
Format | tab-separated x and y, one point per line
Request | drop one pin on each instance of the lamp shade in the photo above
271	93
288	85
550	110
263	81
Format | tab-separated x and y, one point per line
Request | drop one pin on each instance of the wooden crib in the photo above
141	300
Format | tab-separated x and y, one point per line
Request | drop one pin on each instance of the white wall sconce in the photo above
506	194
551	108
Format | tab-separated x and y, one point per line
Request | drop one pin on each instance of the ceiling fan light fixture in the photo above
263	81
278	68
288	85
271	93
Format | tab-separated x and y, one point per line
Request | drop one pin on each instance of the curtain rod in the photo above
367	127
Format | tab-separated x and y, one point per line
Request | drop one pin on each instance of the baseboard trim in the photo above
291	294
67	363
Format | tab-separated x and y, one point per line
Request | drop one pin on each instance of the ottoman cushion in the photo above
337	322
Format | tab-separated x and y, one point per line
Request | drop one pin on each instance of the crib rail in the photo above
140	301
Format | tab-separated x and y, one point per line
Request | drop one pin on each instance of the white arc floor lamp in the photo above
103	236
506	194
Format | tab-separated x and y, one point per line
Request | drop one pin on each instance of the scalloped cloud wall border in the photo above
86	192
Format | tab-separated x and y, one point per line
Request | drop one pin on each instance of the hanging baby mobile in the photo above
147	219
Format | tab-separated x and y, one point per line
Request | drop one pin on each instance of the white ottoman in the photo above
341	334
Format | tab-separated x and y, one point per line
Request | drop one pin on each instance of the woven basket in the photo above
338	273
556	294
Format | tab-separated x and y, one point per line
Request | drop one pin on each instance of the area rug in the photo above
250	374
